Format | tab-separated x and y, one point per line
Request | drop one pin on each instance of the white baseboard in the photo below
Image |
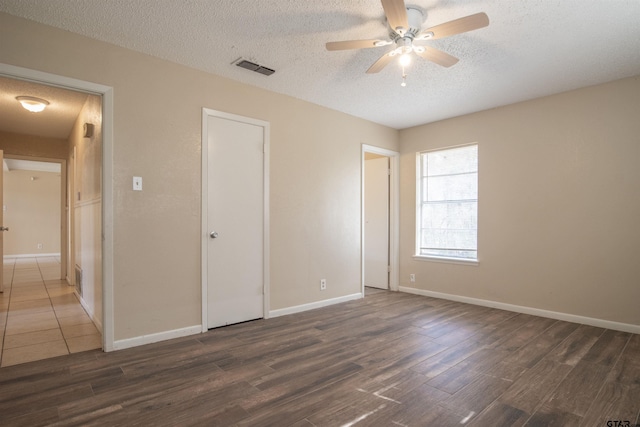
197	329
30	255
160	336
313	305
92	315
601	323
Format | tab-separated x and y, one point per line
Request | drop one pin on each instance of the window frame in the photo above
419	204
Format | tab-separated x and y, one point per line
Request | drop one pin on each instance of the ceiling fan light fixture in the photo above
405	59
33	104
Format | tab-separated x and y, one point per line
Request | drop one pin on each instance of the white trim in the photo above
204	202
601	323
160	336
266	254
63	205
31	255
419	205
394	214
461	261
107	178
313	305
108	334
92	315
206	112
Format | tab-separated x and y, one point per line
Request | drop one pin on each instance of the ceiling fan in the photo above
405	32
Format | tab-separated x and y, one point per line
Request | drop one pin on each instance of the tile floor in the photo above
40	315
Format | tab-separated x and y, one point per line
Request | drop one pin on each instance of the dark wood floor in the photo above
391	359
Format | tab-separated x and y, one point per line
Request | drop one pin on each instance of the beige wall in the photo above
40	149
314	205
34	146
558	203
32	212
86	189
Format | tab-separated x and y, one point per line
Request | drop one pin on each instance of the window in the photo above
447	203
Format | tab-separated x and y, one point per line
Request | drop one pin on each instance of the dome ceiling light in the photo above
35	105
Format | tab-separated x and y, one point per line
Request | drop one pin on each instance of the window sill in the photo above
460	261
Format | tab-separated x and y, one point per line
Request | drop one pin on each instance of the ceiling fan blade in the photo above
356	44
380	63
457	26
396	12
438	56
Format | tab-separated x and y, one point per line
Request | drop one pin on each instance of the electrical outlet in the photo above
323	284
412	278
39	245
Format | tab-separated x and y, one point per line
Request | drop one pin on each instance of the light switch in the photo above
137	183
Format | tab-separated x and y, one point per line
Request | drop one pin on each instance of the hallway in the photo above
40	316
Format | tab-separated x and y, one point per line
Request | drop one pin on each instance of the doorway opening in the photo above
34	202
380	215
85	254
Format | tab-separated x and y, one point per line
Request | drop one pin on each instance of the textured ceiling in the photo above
531	48
56	121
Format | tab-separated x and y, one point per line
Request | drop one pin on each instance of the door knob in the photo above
213	234
3	228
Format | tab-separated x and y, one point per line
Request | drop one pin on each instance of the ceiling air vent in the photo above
243	63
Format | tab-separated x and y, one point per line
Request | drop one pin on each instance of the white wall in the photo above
559	203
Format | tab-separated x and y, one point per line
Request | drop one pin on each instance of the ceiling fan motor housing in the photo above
415	18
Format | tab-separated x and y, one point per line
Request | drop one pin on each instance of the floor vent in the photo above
78	280
252	66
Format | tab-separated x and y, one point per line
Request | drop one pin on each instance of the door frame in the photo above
204	238
106	92
64	254
394	213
